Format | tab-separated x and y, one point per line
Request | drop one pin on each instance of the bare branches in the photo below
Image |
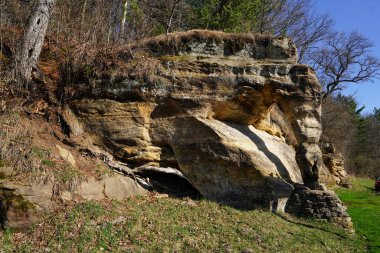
345	59
310	31
165	16
295	19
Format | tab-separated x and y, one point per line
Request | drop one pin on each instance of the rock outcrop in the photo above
334	163
318	204
236	114
24	203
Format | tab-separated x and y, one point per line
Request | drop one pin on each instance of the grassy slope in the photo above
364	208
152	224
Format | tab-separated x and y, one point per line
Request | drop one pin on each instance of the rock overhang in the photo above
235	113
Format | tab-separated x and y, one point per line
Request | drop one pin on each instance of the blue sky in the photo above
362	16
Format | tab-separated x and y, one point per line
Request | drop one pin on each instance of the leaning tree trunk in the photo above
31	44
169	23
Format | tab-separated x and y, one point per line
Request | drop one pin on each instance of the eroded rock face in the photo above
334	163
236	114
320	205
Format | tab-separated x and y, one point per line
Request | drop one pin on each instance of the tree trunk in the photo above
123	18
117	21
31	44
83	16
169	23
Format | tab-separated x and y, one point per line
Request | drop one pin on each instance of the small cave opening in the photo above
171	184
65	128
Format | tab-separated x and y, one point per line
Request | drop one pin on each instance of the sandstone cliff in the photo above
334	163
236	114
233	115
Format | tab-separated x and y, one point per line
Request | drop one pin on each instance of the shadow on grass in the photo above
370	188
310	226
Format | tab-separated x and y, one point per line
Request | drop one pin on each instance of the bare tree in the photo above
295	19
336	116
309	32
123	17
165	16
83	16
118	18
172	12
31	44
272	13
113	21
346	58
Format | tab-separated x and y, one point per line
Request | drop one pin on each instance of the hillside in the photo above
187	126
191	225
233	119
161	224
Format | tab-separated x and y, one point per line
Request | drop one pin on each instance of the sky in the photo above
362	16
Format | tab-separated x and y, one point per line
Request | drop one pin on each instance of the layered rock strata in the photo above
334	163
318	204
235	114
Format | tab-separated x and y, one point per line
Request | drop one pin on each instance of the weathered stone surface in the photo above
38	193
318	204
334	163
6	171
236	114
15	211
209	149
21	205
91	190
121	187
66	155
116	187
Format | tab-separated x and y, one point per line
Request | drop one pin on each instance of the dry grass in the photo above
145	60
173	42
15	145
31	158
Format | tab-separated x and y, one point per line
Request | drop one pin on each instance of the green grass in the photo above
364	208
66	174
151	224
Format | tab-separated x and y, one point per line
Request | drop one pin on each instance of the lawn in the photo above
364	208
162	224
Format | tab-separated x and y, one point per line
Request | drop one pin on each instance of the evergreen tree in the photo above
225	15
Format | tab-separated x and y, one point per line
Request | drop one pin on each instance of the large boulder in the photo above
319	204
236	114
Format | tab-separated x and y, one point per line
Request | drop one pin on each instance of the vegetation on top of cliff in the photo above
147	60
78	57
173	43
